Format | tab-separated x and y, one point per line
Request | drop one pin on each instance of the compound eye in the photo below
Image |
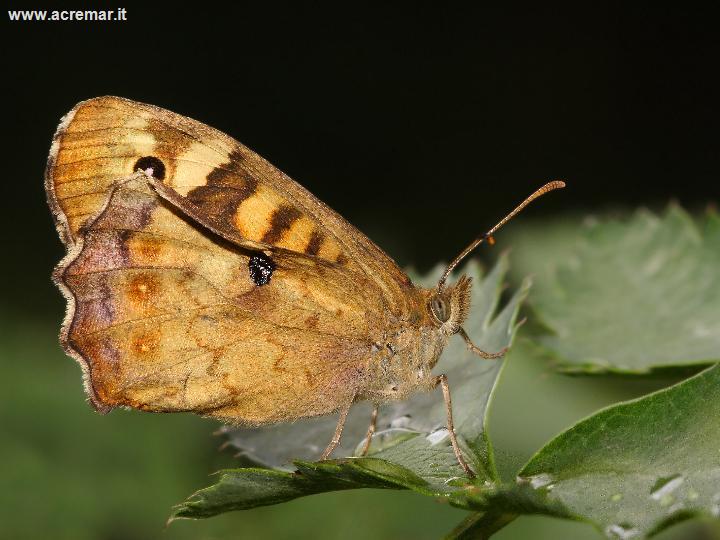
439	309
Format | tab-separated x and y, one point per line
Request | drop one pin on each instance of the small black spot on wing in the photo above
261	269
151	162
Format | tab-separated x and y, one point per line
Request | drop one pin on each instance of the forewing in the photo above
210	177
164	316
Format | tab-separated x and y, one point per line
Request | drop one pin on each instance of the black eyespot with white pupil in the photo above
261	269
151	163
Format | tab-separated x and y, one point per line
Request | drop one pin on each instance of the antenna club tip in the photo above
555	184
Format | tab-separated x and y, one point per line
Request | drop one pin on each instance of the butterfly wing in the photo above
163	314
165	317
211	178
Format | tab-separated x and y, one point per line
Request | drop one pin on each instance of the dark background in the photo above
421	125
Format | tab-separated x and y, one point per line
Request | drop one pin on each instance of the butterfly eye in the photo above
152	163
439	309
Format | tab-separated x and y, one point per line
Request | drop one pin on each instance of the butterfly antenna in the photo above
550	186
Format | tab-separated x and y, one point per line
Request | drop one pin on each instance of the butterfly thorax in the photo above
401	364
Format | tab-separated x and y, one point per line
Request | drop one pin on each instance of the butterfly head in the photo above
449	305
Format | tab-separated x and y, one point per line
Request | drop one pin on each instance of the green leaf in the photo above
631	470
241	489
411	449
628	297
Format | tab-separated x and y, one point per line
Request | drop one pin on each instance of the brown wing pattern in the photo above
165	317
213	179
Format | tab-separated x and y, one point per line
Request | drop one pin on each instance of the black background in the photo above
421	125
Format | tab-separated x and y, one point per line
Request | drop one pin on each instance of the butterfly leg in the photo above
338	432
442	381
370	431
477	350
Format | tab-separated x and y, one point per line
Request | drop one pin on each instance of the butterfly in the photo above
198	277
